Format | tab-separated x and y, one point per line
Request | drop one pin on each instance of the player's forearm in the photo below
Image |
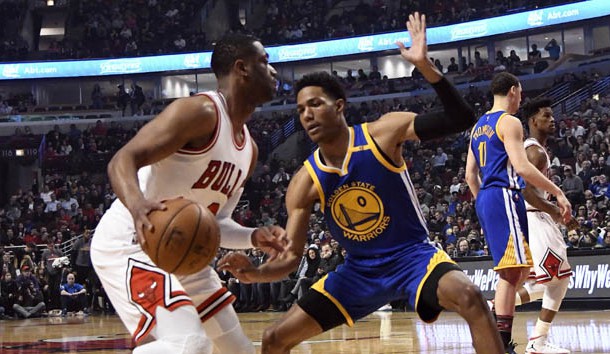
456	116
123	175
429	71
538	202
532	175
278	268
474	182
234	235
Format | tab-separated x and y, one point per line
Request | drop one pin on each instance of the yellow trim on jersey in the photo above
497	123
509	260
316	182
346	158
382	160
319	287
438	258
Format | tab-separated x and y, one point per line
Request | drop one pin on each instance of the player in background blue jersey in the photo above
360	178
497	152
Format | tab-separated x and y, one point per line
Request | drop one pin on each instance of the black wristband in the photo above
457	115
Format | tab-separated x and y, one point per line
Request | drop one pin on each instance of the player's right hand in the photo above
418	52
139	211
239	265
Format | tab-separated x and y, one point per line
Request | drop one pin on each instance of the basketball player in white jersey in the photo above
199	148
551	271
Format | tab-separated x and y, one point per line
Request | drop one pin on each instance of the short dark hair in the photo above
532	107
230	48
329	84
502	82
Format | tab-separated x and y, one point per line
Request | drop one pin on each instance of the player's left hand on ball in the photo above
271	239
239	265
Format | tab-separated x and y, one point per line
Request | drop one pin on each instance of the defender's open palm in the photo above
418	52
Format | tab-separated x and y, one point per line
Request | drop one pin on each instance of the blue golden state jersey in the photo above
369	204
488	148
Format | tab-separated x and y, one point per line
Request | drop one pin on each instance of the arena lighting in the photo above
487	27
50	2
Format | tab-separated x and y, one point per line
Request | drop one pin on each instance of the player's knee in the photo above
272	339
554	293
470	300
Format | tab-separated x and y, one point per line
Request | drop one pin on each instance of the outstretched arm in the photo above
394	128
300	198
457	115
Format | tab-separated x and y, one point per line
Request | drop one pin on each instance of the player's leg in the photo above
149	301
506	232
329	303
313	314
186	338
530	291
551	301
218	317
504	300
457	293
226	334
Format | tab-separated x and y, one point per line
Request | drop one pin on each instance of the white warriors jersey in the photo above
545	171
209	175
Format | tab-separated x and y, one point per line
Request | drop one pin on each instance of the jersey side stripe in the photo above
413	196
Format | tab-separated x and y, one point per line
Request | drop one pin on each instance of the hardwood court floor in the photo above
382	332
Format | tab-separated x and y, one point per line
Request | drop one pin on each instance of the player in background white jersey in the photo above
199	148
551	271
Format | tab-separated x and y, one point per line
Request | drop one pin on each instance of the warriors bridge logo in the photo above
358	210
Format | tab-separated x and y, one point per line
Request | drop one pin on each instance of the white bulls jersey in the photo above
545	239
527	143
209	175
136	287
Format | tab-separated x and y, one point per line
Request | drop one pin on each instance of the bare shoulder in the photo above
537	156
511	126
393	124
301	190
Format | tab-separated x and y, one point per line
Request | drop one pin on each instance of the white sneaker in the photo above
540	345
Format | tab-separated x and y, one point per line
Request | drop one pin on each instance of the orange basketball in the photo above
185	237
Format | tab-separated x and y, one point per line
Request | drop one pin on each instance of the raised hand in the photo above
418	52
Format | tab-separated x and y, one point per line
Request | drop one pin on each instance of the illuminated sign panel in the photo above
373	43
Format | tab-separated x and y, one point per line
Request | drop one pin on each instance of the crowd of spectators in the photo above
12	45
71	199
296	21
114	28
117	28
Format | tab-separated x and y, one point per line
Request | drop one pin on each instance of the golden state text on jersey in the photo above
370	204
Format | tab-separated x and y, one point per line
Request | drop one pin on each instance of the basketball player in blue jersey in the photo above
361	180
497	152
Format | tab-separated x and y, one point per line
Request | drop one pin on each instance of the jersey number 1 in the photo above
482	153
